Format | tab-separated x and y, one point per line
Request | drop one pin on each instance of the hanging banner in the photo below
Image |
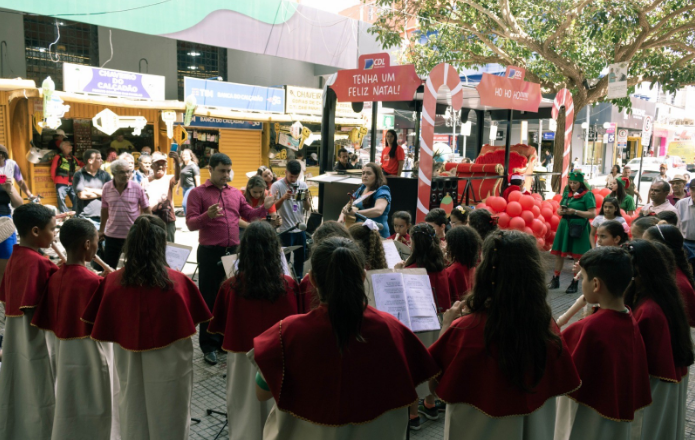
210	122
235	96
377	80
617	81
86	79
507	93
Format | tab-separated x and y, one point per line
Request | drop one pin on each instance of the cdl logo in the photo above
515	74
370	63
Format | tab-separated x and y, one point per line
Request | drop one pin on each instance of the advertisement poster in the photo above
617	81
213	93
109	82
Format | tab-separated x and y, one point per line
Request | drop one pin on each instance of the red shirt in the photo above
688	295
460	280
405	239
388	164
255	203
440	288
308	298
222	231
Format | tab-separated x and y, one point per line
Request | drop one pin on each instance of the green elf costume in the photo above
628	203
572	236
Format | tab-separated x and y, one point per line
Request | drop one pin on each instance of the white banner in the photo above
307	101
617	81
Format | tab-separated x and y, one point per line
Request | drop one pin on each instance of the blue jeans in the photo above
63	191
184	202
295	239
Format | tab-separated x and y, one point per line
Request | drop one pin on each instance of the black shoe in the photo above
430	413
554	283
415	424
573	287
441	406
211	358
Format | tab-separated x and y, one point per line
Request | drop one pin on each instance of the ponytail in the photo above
337	267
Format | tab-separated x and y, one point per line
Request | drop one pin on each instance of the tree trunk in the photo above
559	148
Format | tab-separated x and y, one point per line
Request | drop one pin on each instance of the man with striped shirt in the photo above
122	201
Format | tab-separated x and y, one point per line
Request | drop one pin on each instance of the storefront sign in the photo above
306	101
376	80
208	122
509	93
88	79
549	136
443	138
647	130
235	96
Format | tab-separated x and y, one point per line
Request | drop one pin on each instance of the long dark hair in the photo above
672	237
619	192
654	280
259	274
426	251
613	201
567	191
392	151
481	220
463	245
616	229
145	254
510	288
370	243
379	178
337	268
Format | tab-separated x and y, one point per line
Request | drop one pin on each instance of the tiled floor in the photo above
209	384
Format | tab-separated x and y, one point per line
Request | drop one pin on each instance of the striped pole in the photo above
442	74
564	99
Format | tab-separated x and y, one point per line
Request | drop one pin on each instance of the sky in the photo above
333	6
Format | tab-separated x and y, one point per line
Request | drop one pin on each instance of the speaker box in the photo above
440	187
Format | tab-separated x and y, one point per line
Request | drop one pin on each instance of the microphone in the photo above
300	226
362	218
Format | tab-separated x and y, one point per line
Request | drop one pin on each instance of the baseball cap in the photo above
157	156
60	132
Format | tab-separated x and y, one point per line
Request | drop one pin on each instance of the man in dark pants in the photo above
214	209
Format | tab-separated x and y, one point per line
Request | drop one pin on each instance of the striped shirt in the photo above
222	231
123	207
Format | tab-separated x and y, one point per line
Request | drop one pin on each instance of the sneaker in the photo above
415	424
440	406
430	413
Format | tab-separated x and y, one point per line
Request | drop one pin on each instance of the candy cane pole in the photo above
442	74
564	99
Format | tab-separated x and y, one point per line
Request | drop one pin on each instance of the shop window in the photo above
203	143
200	61
78	44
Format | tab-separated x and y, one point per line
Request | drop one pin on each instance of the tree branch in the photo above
673	14
659	42
566	24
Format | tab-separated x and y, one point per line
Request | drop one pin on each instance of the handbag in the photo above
576	230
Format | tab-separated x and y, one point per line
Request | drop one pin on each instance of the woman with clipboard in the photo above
371	200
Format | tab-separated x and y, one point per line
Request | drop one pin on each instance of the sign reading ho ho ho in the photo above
109	82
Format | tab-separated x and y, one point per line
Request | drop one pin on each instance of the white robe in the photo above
579	422
427	339
27	396
155	391
83	391
245	413
466	421
664	419
391	425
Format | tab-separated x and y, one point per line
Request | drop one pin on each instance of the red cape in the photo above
471	375
656	335
609	354
688	295
240	319
68	294
145	318
309	378
308	298
460	280
440	288
405	239
25	280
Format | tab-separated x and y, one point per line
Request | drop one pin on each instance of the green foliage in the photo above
561	43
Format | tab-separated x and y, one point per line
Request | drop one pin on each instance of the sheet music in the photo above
389	295
231	263
177	255
393	257
421	306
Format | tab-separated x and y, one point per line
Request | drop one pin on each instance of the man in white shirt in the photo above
686	215
658	193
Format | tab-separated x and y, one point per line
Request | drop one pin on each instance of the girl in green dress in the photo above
627	202
577	208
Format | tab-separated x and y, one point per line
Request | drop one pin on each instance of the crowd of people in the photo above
111	356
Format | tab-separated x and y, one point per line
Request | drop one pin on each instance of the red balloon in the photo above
554	222
546	213
545	230
537	196
555	205
481	206
540	242
550	238
537	227
604	192
557	197
547	246
595	190
503	220
497	203
528	230
528	217
514	196
514	209
527	202
536	211
623	213
628	220
517	223
599	202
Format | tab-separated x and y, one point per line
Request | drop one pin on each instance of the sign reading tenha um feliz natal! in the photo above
87	79
509	93
306	101
377	80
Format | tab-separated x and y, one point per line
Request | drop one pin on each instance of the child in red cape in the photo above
609	354
149	311
343	370
308	299
516	183
27	397
660	315
463	251
508	324
83	382
256	297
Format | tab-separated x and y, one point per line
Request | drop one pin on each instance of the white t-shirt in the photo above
292	210
600	219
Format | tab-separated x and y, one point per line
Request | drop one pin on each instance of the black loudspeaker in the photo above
440	187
